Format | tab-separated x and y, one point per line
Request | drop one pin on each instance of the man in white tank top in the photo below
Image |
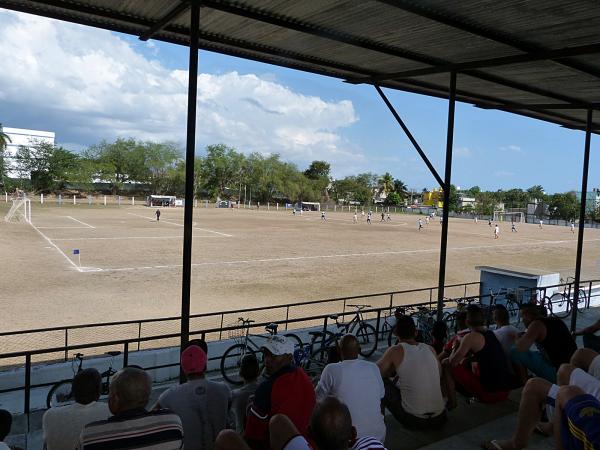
414	397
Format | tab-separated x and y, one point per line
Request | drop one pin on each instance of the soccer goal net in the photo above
20	211
501	216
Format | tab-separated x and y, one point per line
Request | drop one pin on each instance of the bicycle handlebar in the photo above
241	319
360	306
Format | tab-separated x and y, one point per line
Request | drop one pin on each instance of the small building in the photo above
161	200
592	200
434	198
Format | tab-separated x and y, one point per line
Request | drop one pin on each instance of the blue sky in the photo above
89	85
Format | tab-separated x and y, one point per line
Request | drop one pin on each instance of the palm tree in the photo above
4	139
400	188
386	183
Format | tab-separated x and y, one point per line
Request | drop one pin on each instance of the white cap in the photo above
279	345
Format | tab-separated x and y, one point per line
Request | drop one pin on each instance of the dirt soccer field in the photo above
131	264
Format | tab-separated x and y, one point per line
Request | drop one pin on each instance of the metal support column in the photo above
190	153
584	182
446	186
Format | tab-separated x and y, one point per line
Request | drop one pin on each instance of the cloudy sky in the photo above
88	85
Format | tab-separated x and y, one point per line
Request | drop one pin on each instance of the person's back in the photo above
419	381
558	345
357	384
494	372
62	425
203	406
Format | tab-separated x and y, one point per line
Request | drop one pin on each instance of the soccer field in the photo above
131	264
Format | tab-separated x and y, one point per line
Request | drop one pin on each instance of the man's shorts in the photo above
580	427
594	369
536	363
471	383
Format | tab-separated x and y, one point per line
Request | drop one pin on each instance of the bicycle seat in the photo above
334	316
272	327
113	353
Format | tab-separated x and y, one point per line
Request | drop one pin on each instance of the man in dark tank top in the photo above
551	337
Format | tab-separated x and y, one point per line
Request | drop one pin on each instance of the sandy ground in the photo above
131	264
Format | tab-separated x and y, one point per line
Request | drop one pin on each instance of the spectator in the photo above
201	404
538	394
62	425
491	379
132	426
357	384
587	360
287	390
551	336
505	332
461	329
414	397
590	340
240	398
439	333
577	419
5	425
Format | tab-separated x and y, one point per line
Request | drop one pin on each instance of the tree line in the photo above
225	173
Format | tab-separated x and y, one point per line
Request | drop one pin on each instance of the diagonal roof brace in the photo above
171	15
411	138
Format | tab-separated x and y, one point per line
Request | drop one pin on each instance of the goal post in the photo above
20	211
502	216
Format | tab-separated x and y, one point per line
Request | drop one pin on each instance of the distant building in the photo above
465	202
434	198
27	138
592	200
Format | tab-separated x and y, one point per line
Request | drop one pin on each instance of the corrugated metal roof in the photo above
554	75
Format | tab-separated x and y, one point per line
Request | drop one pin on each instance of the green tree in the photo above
536	192
50	167
564	206
400	187
515	198
4	140
118	162
318	170
385	184
394	199
222	170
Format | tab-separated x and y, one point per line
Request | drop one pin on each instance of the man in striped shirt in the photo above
132	426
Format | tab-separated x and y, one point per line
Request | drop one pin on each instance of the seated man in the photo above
461	330
491	380
539	394
241	398
551	336
505	332
415	396
576	420
132	426
357	384
62	425
201	404
5	426
287	390
587	360
590	340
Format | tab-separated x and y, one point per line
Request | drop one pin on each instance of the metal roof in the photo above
538	58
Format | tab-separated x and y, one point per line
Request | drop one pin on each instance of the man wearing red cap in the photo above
202	405
287	390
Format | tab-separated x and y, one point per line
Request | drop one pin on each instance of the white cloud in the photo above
95	85
510	148
462	152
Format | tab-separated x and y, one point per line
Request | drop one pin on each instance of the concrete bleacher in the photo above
468	425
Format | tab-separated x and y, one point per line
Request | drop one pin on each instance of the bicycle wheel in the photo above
561	305
514	317
231	362
367	338
298	344
581	301
60	394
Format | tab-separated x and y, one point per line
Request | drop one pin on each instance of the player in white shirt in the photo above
496	231
355	218
513	228
420	222
541	223
572	227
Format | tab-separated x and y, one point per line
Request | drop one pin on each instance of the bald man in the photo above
358	384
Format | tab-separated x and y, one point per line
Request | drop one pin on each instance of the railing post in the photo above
465	290
126	354
324	333
66	344
27	392
221	328
287	317
391	301
377	326
344	308
139	334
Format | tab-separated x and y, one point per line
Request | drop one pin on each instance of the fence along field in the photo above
130	264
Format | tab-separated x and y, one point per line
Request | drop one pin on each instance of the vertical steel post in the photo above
189	173
447	181
27	392
584	182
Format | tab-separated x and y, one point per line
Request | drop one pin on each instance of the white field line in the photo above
181	225
82	223
345	255
56	247
62	228
127	238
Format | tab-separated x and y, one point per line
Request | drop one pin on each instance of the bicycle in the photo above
61	393
364	332
232	358
389	323
510	302
560	304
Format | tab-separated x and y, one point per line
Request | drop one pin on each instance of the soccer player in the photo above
513	228
441	219
572	227
355	219
420	224
475	219
490	222
382	217
369	218
323	215
389	218
541	223
496	231
426	220
157	215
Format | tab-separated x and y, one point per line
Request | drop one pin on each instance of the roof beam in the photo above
484	32
486	63
170	16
